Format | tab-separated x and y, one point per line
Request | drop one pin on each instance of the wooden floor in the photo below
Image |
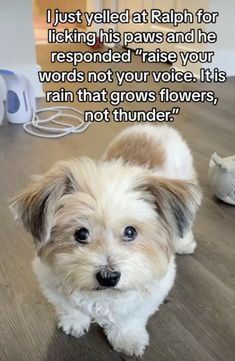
197	322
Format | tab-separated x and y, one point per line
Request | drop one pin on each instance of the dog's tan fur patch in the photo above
138	149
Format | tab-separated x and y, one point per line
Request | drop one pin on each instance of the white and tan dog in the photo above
106	232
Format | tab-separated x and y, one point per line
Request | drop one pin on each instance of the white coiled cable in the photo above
40	124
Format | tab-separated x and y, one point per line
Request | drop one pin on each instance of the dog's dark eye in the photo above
129	233
81	235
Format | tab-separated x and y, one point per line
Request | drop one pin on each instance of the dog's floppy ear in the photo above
35	206
176	201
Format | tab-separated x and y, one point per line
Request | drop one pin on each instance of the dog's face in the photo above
105	225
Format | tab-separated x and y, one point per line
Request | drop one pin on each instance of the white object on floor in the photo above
40	127
222	177
2	108
20	98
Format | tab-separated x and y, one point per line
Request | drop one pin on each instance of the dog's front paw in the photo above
129	341
186	245
73	324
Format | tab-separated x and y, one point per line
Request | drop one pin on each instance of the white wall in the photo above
17	47
225	28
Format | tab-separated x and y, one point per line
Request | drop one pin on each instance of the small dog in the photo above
106	232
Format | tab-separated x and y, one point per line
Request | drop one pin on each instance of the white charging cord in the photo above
63	130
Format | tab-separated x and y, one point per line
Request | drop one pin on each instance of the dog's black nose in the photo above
108	278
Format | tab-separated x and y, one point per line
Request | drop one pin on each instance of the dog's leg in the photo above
130	337
70	319
185	245
73	322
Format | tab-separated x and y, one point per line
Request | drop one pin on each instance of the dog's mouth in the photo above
101	288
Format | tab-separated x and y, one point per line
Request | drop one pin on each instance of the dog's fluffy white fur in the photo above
145	179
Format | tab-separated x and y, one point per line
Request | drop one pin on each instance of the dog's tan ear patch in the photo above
35	206
176	201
